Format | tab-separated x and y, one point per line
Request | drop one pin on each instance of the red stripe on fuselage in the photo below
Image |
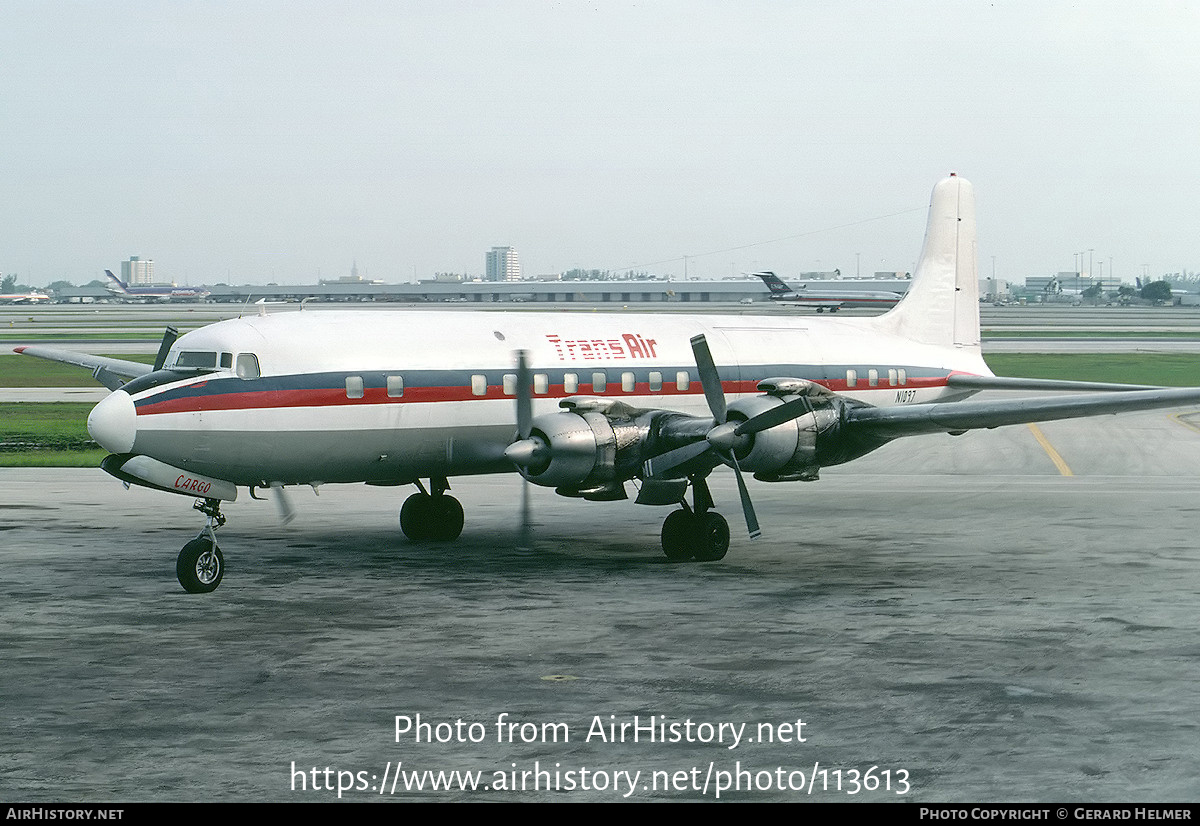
336	396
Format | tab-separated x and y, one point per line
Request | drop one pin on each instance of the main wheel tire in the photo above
200	566
445	518
678	535
416	517
712	537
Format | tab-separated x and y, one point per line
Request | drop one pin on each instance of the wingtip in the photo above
19	349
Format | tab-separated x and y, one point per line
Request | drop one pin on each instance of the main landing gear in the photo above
201	564
432	516
696	532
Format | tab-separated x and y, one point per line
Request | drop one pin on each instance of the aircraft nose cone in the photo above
113	422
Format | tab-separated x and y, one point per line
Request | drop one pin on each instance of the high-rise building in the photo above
135	271
502	265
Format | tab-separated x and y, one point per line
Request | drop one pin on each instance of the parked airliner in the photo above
586	404
118	287
31	297
825	299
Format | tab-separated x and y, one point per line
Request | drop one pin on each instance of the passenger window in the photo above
395	386
510	384
851	378
570	383
479	385
903	376
354	387
682	380
655	381
599	382
893	377
873	378
541	383
247	366
627	382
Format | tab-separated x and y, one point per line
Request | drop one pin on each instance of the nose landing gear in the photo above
201	565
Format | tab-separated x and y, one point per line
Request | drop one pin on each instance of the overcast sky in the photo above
259	141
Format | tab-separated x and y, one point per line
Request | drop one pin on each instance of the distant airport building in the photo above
537	292
136	272
502	265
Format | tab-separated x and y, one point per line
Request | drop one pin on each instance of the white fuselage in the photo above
392	396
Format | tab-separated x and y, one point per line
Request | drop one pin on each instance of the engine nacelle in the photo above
796	449
590	449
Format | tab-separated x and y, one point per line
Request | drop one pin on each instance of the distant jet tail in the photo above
117	284
942	305
774	283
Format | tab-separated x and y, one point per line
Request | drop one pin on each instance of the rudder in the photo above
942	305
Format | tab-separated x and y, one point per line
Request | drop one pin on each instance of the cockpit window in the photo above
193	360
247	366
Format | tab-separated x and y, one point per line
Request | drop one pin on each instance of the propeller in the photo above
725	438
524	451
284	502
168	339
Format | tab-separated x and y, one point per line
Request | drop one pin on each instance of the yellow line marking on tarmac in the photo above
1054	455
1186	422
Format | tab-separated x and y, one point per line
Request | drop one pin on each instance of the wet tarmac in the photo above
945	620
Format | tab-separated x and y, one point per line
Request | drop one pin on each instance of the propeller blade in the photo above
747	505
526	538
168	339
775	416
524	451
666	462
286	512
524	396
709	378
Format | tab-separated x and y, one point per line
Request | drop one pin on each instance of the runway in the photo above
116	329
954	612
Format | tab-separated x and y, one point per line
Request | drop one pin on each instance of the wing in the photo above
1005	383
107	371
952	417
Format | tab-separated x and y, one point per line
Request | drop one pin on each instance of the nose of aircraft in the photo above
113	422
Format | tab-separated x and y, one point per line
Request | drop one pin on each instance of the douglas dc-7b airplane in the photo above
582	403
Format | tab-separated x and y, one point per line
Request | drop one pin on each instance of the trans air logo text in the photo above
628	346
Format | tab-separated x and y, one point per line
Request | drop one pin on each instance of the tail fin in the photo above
942	305
120	285
774	283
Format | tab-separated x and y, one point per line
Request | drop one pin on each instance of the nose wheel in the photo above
201	565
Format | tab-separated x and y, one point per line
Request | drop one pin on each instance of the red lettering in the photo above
635	347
